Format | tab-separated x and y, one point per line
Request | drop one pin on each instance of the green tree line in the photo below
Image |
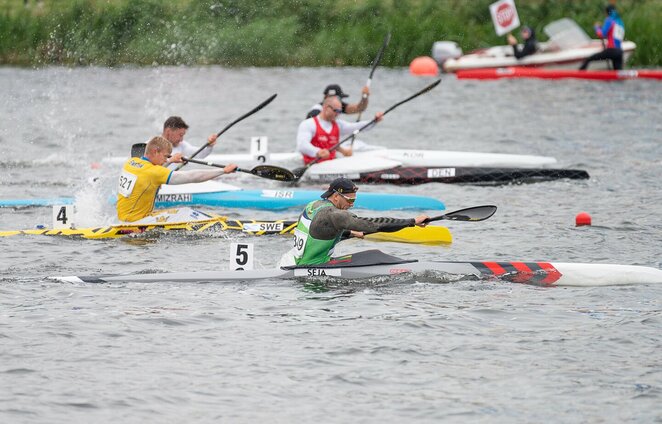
282	32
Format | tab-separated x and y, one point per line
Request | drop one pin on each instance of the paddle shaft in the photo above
138	145
269	172
299	172
215	165
375	63
230	125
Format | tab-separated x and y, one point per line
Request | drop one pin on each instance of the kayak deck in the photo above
207	223
536	273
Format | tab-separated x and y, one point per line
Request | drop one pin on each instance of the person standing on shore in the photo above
613	30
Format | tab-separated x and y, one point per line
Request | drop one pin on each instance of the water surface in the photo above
412	348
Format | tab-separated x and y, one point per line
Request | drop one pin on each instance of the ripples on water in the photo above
378	351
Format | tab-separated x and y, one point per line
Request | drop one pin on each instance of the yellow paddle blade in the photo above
432	234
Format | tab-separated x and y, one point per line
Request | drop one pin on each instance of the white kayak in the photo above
376	159
349	165
433	158
374	263
369	158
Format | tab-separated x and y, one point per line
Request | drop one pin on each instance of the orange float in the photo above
424	66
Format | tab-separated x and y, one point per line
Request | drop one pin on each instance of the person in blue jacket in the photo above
613	30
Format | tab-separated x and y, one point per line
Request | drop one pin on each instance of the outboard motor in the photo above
442	50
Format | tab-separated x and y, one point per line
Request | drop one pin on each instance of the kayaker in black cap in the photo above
336	90
324	223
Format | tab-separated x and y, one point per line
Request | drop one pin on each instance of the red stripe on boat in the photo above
495	268
553	274
524	273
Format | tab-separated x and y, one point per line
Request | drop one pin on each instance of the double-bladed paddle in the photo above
298	172
375	63
263	171
242	117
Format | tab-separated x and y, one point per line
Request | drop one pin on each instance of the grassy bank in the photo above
281	32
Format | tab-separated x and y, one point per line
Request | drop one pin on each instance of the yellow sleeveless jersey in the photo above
138	184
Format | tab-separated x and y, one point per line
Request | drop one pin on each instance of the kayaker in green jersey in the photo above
323	223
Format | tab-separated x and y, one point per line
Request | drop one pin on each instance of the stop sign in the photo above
505	14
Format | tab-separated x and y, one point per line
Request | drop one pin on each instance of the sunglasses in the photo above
349	199
338	111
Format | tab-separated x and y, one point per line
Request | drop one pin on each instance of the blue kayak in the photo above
260	199
20	203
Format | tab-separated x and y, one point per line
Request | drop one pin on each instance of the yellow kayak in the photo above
194	221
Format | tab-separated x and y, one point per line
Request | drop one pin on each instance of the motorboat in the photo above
568	46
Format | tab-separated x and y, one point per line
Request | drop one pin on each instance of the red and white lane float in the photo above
542	73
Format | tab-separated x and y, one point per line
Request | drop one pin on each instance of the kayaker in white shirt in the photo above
174	130
317	135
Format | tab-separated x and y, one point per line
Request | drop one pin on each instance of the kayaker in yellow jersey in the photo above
142	177
324	223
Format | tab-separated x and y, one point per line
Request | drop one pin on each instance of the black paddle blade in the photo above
476	213
138	150
298	172
273	173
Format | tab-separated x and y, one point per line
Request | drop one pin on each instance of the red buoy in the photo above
582	218
424	66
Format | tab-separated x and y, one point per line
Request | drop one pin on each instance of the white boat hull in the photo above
444	158
377	159
502	56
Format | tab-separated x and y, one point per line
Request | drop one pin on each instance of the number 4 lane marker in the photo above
63	216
